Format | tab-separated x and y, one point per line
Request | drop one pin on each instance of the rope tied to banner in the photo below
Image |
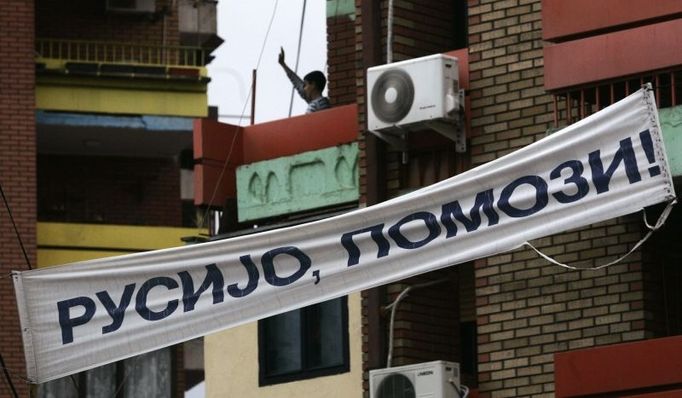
652	228
649	100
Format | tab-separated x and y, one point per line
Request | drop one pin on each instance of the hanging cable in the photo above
389	33
8	378
652	228
126	373
234	138
298	54
14	225
394	306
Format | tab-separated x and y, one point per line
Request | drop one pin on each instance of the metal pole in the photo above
253	96
298	55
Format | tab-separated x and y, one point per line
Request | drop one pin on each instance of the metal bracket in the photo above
397	141
451	129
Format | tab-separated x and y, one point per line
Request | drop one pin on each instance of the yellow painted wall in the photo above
61	243
231	365
130	97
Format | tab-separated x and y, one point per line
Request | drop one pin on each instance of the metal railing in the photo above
120	53
577	103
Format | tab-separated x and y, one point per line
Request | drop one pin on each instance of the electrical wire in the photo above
8	378
14	225
394	306
652	228
125	375
462	391
75	384
298	54
389	33
234	137
5	371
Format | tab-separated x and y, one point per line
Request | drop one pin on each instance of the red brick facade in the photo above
526	309
109	190
427	323
17	173
87	20
340	58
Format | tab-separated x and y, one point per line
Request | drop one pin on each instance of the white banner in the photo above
85	314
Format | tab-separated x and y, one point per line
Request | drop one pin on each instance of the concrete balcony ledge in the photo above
61	243
562	20
649	368
266	141
291	184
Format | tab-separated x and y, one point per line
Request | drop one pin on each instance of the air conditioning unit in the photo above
131	6
437	379
415	94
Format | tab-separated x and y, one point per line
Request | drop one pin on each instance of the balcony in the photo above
291	184
593	41
649	368
120	53
61	243
121	78
289	165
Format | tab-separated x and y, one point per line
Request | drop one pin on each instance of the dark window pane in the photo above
304	343
66	387
149	375
101	381
324	323
283	343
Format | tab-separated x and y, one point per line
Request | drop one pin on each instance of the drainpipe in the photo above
375	181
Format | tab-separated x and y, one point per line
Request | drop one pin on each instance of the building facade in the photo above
516	324
102	100
99	99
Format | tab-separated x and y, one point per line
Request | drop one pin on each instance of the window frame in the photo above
305	373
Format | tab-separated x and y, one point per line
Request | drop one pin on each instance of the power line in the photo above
14	225
234	138
8	378
298	55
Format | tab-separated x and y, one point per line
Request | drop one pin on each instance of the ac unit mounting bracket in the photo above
451	129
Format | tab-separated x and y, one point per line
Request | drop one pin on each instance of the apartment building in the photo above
517	325
99	99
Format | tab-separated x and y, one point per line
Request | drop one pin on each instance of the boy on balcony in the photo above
309	88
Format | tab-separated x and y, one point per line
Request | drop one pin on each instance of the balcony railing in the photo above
574	104
120	53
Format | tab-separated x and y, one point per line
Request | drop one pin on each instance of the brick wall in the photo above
109	190
341	60
422	28
87	20
17	172
427	325
528	309
419	29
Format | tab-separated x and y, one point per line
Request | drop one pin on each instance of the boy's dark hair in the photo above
317	78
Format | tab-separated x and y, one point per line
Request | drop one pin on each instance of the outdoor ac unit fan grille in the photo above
392	96
396	386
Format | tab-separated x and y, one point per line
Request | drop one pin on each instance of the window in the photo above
147	375
304	343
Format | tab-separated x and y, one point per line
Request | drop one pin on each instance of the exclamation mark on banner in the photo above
648	145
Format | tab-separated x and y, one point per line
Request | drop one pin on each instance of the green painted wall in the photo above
671	124
291	184
338	8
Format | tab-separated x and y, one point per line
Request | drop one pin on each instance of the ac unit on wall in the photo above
437	379
131	6
415	94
